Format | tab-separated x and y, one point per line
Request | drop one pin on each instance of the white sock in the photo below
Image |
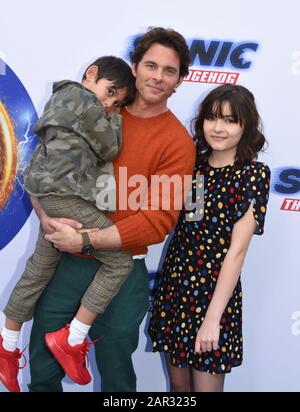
10	339
78	332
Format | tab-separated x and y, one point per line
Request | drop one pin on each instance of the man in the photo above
154	144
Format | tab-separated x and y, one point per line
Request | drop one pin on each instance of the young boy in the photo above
72	174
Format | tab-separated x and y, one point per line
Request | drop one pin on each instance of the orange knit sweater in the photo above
158	145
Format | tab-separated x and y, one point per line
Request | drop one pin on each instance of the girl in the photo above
197	311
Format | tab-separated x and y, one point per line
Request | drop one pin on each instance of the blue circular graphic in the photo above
21	112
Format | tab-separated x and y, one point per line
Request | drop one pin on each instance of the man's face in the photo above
157	74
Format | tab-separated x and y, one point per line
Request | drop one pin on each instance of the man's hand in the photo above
46	220
47	225
65	238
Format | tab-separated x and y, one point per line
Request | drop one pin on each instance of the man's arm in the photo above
67	239
148	226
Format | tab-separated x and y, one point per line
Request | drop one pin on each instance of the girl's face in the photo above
223	133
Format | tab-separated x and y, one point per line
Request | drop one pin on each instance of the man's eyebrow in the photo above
174	69
166	67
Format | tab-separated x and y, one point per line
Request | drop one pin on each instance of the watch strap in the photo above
85	239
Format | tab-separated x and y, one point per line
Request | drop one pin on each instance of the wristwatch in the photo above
87	248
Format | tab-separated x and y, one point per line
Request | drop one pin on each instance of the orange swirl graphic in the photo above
8	155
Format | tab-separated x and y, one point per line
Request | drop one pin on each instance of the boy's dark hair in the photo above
166	37
117	70
244	112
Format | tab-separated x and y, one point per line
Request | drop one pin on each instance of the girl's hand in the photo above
207	338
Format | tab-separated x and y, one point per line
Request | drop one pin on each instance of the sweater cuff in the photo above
128	234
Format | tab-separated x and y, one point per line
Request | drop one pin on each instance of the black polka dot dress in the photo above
193	262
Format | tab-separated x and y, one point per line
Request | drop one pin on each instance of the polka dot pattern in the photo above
192	265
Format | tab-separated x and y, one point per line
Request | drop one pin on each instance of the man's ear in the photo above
133	69
91	73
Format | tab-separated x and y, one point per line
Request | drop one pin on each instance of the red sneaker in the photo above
9	367
71	358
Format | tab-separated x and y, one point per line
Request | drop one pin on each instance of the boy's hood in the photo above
63	83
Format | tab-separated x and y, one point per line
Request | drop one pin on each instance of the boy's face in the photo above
104	89
157	74
108	95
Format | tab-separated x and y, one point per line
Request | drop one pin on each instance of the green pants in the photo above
119	325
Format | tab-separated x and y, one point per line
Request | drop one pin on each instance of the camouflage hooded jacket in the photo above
78	141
